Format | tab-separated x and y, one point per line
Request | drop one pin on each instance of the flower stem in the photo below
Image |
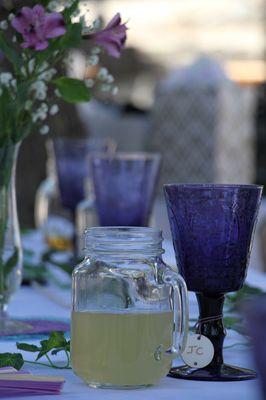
47	365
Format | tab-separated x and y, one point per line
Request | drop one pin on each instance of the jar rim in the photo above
125	239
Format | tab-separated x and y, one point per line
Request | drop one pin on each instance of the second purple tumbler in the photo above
125	187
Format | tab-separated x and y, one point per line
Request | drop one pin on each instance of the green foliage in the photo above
72	90
14	360
7	120
54	344
72	37
35	273
11	263
67	267
32	348
71	10
234	323
11	54
235	301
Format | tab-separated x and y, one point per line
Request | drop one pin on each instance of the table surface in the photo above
55	303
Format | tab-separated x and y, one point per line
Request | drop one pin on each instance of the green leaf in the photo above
72	90
72	38
47	257
23	93
9	52
11	263
68	346
56	340
235	323
70	11
14	360
235	301
55	351
28	347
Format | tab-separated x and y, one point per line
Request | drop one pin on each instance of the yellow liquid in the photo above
117	349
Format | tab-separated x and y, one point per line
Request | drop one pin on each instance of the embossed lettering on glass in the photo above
129	309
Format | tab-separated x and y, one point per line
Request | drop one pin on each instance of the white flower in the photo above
54	109
40	90
11	16
115	91
53	5
44	129
23	71
28	105
14	83
69	3
103	73
48	75
89	83
40	113
93	60
3	25
6	78
14	39
110	79
95	50
97	24
44	66
105	87
57	93
31	65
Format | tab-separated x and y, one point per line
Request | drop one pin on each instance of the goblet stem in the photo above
210	324
210	313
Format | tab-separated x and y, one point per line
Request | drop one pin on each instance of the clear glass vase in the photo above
10	240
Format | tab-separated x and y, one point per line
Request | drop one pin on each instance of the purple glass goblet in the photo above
125	187
72	166
256	327
212	228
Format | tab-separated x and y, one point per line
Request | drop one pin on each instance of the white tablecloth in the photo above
30	302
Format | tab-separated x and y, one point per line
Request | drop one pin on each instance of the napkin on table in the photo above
21	383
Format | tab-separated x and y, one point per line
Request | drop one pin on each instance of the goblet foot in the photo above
222	372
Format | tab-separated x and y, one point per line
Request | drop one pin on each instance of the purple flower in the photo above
36	26
112	38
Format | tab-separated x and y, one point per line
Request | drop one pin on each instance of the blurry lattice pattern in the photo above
205	134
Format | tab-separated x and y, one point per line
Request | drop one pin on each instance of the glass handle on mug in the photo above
181	314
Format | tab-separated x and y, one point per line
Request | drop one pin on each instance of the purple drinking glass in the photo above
72	166
256	328
212	229
125	187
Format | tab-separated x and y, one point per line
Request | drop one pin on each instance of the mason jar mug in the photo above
129	309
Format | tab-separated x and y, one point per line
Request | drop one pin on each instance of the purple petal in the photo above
23	19
39	46
115	21
54	25
112	45
39	11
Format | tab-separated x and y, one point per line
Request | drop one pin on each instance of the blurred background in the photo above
192	86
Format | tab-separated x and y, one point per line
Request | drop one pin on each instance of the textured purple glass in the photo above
256	326
212	227
73	167
125	187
